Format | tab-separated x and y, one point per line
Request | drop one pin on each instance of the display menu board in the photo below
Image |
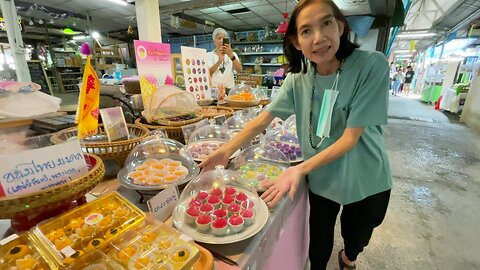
39	76
195	70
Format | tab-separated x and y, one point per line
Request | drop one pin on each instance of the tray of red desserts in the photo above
219	208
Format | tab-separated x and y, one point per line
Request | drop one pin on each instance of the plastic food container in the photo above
87	228
21	251
207	140
219	207
285	141
260	162
242	95
95	261
156	164
155	246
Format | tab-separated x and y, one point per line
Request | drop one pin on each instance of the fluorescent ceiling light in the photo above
404	55
81	37
95	35
120	2
415	35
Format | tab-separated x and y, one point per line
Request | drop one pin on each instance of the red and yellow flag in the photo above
87	112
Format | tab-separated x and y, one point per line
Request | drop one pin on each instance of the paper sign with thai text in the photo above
154	69
162	204
35	170
195	71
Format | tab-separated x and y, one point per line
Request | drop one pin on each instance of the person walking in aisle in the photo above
222	61
339	96
407	84
397	81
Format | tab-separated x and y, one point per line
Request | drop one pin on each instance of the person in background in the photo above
393	70
397	81
407	83
346	163
222	61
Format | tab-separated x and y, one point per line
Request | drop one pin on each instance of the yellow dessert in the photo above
107	220
181	255
17	252
111	233
63	243
126	253
141	262
25	263
94	243
148	237
56	234
75	223
74	256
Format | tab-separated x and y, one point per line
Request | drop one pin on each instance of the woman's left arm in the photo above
293	175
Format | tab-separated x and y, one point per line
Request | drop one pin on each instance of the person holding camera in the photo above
222	61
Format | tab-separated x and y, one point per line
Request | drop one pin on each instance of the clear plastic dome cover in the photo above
287	142
236	122
206	140
260	162
242	92
220	207
157	163
290	124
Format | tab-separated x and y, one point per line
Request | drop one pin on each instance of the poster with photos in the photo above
195	70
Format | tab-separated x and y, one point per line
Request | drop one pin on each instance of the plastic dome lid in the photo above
235	122
286	142
261	153
213	181
157	163
210	133
242	92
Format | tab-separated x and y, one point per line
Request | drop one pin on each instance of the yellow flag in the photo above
87	112
413	44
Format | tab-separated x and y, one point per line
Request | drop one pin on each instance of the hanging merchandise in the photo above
195	70
282	27
88	101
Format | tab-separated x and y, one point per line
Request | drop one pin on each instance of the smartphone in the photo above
226	41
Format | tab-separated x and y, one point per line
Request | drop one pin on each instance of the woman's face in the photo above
318	33
219	40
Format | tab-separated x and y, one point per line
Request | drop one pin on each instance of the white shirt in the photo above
227	76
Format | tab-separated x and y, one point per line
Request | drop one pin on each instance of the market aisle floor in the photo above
434	213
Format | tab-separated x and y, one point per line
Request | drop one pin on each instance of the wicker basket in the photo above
117	151
164	122
49	199
173	132
213	111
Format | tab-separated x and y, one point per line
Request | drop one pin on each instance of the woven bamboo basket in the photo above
173	132
213	111
165	122
117	150
52	198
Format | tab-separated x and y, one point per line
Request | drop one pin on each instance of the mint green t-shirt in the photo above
362	102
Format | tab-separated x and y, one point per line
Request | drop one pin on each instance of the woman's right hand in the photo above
218	157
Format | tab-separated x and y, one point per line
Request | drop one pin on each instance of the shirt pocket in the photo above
339	119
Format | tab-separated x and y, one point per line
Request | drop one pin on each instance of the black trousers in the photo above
357	223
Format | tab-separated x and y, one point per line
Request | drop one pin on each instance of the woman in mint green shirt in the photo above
346	164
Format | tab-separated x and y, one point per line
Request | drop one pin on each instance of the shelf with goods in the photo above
68	78
107	56
259	51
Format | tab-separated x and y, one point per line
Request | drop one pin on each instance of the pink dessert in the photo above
236	223
202	195
230	191
241	197
248	204
191	215
233	208
249	217
219	226
203	223
216	192
214	200
220	213
227	200
205	208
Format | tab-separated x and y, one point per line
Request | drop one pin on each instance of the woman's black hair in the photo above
297	62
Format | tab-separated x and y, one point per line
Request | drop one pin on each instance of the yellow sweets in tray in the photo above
21	252
87	228
154	247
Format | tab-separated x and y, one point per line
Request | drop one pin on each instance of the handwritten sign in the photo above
35	170
162	204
